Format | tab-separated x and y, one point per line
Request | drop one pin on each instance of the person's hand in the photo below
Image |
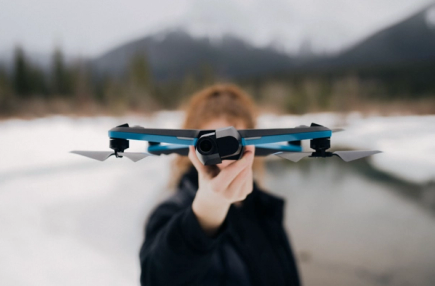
232	184
217	192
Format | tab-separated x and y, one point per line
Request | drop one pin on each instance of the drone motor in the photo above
320	145
119	145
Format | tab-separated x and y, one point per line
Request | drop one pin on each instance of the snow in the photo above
66	220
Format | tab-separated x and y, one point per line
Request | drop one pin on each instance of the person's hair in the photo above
220	101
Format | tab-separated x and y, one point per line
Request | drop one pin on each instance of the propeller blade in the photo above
293	156
348	156
134	156
335	130
97	155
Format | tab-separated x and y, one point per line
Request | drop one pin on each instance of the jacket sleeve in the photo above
176	250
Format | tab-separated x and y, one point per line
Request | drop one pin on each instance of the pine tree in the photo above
139	82
139	72
61	77
21	75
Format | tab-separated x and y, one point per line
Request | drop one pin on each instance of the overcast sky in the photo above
91	27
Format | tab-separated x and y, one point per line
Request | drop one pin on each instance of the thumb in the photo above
249	153
250	148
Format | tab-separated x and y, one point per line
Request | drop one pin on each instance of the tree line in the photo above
71	87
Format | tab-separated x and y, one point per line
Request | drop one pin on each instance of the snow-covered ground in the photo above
66	220
407	142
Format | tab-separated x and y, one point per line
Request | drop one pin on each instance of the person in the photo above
219	227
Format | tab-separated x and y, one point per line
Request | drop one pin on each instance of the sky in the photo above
89	28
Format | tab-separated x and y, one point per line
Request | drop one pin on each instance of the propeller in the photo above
293	156
346	156
97	155
134	156
103	155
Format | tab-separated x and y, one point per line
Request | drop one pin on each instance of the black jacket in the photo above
251	247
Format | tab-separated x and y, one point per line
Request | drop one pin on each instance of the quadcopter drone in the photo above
213	146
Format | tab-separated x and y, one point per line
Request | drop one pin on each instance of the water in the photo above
65	220
350	228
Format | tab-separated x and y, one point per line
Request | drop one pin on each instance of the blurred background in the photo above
71	70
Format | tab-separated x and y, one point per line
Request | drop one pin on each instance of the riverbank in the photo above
34	108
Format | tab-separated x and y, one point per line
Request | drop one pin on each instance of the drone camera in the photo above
223	144
205	146
206	149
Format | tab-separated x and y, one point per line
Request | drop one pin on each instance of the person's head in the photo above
217	106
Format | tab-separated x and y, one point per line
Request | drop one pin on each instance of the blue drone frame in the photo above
213	146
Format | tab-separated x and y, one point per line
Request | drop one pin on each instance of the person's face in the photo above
220	123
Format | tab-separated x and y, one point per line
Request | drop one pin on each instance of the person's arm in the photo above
176	250
180	240
216	193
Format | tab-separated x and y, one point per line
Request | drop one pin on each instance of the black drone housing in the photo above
223	144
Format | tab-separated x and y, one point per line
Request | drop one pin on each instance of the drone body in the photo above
213	146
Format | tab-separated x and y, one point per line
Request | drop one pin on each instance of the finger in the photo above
227	175
244	188
248	186
195	161
250	148
234	190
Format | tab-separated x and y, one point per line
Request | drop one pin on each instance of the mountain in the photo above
411	41
173	54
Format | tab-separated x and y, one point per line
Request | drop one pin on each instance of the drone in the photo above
228	143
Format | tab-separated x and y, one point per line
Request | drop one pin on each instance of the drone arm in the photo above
190	136
271	148
260	149
286	135
172	136
159	149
